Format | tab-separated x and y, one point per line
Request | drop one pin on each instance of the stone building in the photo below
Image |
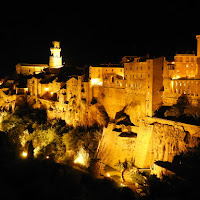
55	63
182	78
55	60
105	73
107	85
27	69
144	83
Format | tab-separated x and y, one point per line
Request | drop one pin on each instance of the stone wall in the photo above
113	100
159	140
143	150
113	148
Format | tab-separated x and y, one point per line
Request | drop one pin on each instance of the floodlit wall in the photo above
113	148
30	69
160	141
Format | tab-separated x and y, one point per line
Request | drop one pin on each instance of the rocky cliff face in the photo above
76	112
143	142
169	141
80	113
152	142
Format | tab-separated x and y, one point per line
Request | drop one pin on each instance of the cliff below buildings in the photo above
75	112
158	141
142	143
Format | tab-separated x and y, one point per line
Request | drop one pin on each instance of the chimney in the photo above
198	45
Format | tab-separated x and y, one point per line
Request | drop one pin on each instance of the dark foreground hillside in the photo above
44	179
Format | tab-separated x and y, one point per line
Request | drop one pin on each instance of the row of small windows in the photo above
186	59
137	76
109	70
137	68
186	88
188	92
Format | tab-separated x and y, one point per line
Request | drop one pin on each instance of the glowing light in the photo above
36	151
46	89
82	158
123	185
24	154
175	77
47	157
108	175
96	81
172	84
56	67
51	93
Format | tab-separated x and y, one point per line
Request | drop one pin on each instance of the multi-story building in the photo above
182	78
144	83
105	73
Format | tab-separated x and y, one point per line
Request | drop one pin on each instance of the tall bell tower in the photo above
55	60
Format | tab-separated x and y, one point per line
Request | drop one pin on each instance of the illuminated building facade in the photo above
144	83
55	62
106	73
27	69
182	78
147	83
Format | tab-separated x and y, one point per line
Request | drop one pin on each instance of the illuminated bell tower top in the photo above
55	60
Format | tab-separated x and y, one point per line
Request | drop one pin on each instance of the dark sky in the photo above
97	32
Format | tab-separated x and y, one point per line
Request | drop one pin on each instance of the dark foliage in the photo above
34	179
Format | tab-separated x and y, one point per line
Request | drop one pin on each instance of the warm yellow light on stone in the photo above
46	89
108	175
24	154
96	81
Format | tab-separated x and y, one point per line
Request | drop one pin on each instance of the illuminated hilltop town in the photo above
124	98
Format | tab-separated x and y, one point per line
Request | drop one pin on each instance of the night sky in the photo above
98	31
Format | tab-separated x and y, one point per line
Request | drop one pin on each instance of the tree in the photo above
30	151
